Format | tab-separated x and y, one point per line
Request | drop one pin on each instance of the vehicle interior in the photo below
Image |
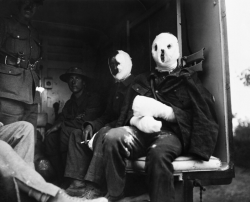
83	33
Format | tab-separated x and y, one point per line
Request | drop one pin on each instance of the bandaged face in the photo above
120	65
165	51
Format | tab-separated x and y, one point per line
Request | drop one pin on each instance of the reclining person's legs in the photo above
20	135
28	180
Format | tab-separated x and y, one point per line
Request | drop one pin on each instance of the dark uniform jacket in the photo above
87	108
196	124
19	83
113	109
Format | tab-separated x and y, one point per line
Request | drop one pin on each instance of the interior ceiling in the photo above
88	19
83	25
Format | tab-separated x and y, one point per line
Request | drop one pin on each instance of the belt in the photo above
16	62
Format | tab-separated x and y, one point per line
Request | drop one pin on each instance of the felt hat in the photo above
74	70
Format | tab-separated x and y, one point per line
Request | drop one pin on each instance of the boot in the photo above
63	197
76	188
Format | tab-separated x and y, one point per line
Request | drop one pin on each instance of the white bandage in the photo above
146	124
145	106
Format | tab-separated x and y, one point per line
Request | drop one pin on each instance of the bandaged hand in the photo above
146	124
145	106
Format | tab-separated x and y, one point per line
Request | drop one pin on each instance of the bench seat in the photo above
181	164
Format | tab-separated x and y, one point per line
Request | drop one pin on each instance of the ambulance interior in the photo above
83	32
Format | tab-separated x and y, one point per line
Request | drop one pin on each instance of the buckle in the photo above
32	66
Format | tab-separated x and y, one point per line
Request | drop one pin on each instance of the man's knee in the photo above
113	135
28	128
24	130
165	150
4	147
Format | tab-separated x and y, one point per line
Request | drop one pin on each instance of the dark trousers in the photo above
160	150
56	148
78	156
12	111
82	163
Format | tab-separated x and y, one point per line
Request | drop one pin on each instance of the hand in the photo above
87	133
146	124
53	129
146	106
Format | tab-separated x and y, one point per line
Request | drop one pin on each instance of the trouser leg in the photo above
30	115
20	135
13	111
12	165
78	156
120	143
96	171
161	153
10	111
64	141
52	150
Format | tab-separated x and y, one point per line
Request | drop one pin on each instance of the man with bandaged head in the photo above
20	53
84	165
167	112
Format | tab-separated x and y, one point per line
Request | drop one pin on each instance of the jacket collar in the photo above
128	80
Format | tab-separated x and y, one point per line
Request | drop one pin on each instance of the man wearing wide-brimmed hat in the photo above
81	107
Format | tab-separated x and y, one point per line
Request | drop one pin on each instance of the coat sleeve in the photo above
204	123
105	118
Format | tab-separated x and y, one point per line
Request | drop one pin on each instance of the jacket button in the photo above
157	91
18	36
9	72
137	89
116	97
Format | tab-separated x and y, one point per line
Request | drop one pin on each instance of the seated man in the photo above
16	168
82	106
81	166
167	113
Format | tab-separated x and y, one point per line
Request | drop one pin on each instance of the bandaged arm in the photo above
146	124
146	106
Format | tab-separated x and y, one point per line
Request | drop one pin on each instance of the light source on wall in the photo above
40	89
